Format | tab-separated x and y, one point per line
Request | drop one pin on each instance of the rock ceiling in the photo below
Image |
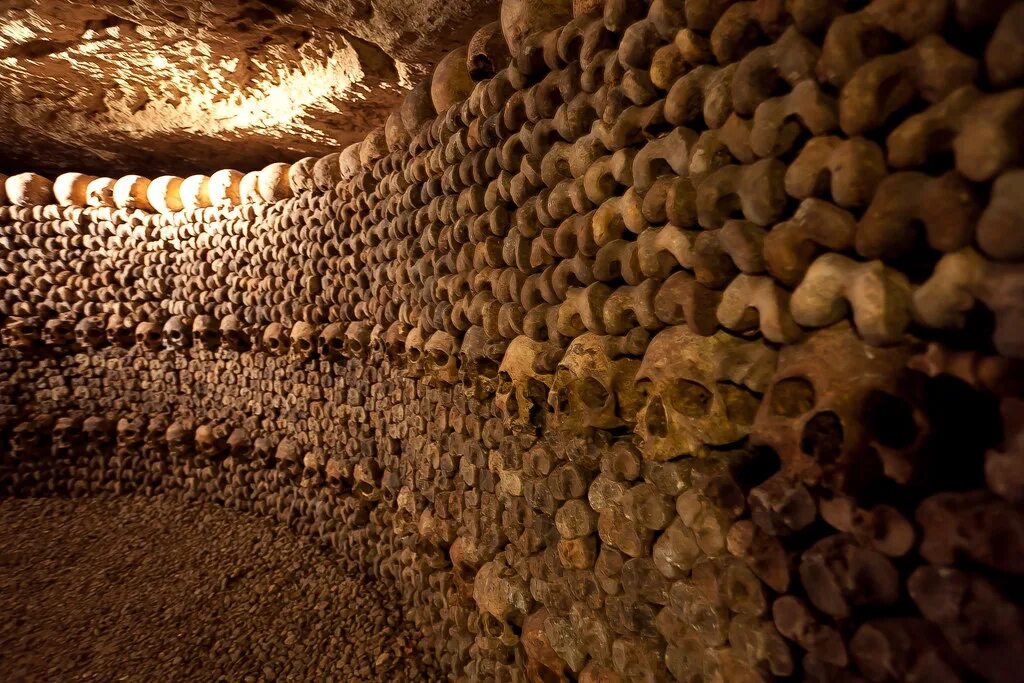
141	86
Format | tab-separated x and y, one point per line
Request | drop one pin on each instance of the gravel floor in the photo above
132	589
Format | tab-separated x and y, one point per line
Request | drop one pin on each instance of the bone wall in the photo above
686	347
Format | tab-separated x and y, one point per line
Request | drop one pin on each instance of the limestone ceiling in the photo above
143	86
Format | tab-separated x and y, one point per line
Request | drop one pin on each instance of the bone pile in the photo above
678	341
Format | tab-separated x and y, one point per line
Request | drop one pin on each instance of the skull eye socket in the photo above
593	393
740	403
536	391
689	398
890	419
505	381
792	397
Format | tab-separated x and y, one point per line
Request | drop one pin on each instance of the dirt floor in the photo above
132	589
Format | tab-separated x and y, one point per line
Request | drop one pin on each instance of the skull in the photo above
66	433
206	331
22	333
178	333
835	406
414	353
701	391
357	339
233	334
479	358
130	432
179	438
524	380
239	443
120	331
303	341
443	360
275	339
98	432
89	332
211	440
312	468
59	332
150	335
332	342
593	389
289	460
367	479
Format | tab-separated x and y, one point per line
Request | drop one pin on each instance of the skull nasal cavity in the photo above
792	397
593	394
823	437
657	423
689	398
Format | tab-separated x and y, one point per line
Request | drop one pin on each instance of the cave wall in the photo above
686	347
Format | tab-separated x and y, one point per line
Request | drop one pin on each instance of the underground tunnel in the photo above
522	341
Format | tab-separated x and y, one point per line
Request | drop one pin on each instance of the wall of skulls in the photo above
686	347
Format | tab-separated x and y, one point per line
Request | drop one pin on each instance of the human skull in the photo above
289	460
332	342
131	192
130	432
525	377
275	339
59	331
303	341
66	432
206	331
415	352
150	335
357	339
837	410
89	332
312	468
443	360
233	334
177	333
701	391
100	192
120	331
180	438
479	358
98	432
366	476
22	333
240	443
211	440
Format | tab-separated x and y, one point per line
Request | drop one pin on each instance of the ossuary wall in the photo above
685	347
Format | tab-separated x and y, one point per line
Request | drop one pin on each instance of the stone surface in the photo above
117	87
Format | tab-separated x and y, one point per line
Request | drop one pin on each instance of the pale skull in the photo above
701	391
177	333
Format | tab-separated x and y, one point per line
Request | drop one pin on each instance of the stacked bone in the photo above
692	254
